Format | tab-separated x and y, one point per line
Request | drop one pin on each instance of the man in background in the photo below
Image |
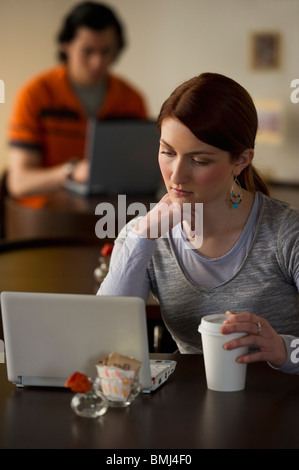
47	128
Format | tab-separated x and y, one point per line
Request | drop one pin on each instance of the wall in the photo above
170	41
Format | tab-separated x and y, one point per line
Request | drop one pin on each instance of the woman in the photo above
248	261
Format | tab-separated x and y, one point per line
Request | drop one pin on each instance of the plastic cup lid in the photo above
212	323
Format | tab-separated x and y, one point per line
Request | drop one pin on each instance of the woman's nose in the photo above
179	172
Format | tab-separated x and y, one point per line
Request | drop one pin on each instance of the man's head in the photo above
90	40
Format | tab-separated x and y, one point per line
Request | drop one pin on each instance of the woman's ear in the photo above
243	161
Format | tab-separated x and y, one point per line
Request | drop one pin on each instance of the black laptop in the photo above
123	157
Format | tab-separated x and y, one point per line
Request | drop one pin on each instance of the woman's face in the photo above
192	170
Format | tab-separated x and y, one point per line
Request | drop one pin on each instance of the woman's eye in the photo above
165	152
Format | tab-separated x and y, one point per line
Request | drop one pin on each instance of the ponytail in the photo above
251	180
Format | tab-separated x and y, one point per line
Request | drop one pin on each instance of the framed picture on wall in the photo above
265	51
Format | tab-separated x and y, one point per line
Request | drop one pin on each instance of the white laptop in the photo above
48	337
123	156
1	351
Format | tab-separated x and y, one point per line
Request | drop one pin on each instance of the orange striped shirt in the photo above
48	116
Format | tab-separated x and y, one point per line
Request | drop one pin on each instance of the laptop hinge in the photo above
19	382
24	381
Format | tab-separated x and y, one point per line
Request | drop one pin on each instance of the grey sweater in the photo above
263	284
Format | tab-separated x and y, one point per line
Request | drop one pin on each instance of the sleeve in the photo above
291	366
288	240
289	261
24	128
127	274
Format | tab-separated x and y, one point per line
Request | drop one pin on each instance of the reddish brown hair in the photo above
221	113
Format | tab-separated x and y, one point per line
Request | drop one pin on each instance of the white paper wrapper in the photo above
115	382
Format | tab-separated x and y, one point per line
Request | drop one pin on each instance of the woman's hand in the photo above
158	221
260	335
166	215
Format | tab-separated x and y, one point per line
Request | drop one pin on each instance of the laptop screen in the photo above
123	157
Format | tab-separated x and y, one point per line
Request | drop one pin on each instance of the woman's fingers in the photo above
259	334
159	220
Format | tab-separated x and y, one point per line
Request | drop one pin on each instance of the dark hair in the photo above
92	15
221	113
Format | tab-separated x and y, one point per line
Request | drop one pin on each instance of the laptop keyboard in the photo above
161	370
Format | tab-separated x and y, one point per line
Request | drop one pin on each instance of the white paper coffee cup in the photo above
223	372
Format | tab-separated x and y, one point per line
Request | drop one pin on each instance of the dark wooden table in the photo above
183	414
50	265
66	214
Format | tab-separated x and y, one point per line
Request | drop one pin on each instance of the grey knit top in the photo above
265	282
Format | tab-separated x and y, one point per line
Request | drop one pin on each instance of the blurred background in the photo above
255	42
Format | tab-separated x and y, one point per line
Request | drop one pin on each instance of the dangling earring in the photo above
236	197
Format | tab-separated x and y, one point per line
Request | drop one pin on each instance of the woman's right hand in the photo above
159	220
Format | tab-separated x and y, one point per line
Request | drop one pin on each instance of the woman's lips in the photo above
180	192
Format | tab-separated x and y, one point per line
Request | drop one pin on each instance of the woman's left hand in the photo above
260	334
